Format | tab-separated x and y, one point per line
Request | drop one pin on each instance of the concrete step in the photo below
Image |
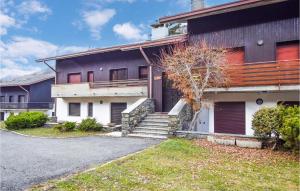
158	128
151	124
51	124
147	136
158	114
156	120
154	132
156	117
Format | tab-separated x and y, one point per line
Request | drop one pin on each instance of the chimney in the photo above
197	4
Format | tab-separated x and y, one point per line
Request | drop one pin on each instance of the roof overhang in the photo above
127	47
9	84
224	8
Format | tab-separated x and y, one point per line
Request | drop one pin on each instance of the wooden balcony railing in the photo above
267	73
119	83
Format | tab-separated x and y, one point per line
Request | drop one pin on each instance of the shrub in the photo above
26	120
67	126
267	121
89	124
291	127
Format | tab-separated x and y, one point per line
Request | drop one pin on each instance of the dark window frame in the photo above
19	96
76	113
118	70
90	109
75	73
10	99
2	99
141	75
88	76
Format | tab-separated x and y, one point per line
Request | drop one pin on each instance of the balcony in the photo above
133	87
258	75
28	105
267	73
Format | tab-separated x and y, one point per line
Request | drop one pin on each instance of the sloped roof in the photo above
126	47
28	79
219	9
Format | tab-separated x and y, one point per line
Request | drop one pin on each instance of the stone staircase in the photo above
154	125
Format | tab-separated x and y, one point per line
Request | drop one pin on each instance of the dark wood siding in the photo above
229	117
101	64
116	110
244	28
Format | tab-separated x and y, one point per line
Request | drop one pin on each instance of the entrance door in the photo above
1	116
203	123
116	110
170	95
230	117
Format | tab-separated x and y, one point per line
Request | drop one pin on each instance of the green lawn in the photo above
51	132
178	164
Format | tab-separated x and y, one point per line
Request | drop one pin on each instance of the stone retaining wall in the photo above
179	116
133	115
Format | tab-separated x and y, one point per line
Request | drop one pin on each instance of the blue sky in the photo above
33	29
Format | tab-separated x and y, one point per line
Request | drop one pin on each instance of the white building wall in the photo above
269	100
101	112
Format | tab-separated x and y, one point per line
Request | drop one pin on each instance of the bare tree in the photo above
193	69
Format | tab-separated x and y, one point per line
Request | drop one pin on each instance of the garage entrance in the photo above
229	117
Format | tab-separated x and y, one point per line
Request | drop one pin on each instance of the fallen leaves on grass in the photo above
253	155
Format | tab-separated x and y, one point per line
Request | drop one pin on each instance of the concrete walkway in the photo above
26	161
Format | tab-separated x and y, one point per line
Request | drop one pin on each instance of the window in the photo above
21	98
90	76
2	98
11	99
74	109
74	78
143	72
119	74
287	50
90	109
235	56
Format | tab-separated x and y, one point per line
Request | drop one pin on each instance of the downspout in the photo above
150	72
27	95
55	101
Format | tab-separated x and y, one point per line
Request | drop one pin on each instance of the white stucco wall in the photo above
100	111
270	99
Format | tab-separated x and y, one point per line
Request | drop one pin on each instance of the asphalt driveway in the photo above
26	161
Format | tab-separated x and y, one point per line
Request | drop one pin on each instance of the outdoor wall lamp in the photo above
260	42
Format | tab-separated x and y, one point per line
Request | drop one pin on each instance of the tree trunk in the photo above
193	124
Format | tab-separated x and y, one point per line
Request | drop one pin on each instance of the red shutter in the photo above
74	78
90	76
236	56
287	51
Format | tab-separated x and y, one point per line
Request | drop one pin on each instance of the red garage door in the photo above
230	117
